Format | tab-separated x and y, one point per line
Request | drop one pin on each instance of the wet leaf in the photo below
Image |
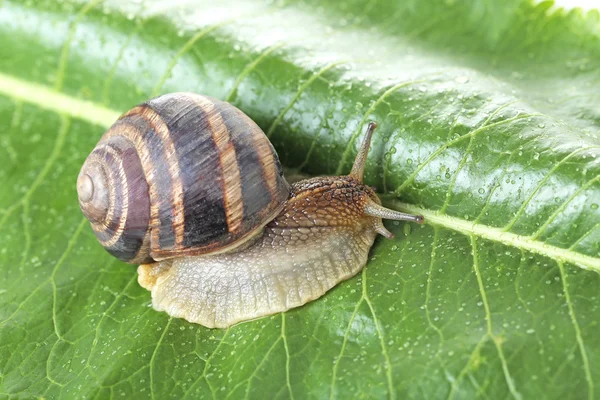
489	126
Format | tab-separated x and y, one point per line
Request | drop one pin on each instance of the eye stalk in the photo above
358	168
372	208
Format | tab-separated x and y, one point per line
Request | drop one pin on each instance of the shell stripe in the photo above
257	199
175	201
115	211
135	245
125	229
102	229
150	135
230	170
266	155
204	213
132	133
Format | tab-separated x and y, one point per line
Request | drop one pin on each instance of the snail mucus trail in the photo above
191	189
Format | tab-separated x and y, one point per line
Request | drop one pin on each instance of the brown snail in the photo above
191	188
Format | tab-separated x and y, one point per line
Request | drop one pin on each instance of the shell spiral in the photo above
182	174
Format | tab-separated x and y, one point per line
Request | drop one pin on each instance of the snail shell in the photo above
182	174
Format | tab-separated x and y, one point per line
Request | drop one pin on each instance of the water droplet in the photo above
461	79
409	161
481	191
594	206
541	126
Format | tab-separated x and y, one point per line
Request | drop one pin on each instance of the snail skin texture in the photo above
191	189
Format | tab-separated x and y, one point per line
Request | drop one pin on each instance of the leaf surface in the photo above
488	125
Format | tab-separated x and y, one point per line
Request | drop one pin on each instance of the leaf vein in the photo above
184	49
563	206
585	235
338	359
578	335
265	357
428	290
250	67
465	156
104	316
488	200
58	145
64	55
437	152
113	69
152	361
384	352
359	127
542	182
299	92
287	357
528	243
488	316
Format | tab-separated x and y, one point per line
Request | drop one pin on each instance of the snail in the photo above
190	188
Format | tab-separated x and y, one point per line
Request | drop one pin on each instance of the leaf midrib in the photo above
523	242
65	104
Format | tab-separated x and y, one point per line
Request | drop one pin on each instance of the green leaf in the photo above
489	126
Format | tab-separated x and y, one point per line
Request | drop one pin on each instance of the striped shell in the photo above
182	174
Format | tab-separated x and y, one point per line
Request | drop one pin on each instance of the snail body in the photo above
190	188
